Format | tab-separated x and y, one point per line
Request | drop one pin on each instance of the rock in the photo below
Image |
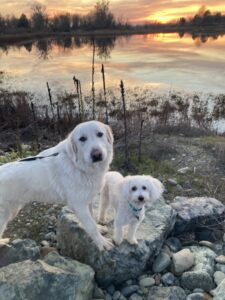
182	261
219	292
183	170
192	213
161	262
220	259
19	250
135	297
174	244
172	181
98	293
197	279
218	277
108	297
166	293
45	244
179	188
129	290
168	279
122	262
111	289
204	259
46	250
220	267
206	244
116	295
51	236
54	278
147	282
196	296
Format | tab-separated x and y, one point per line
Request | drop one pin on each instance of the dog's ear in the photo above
125	187
155	187
72	147
109	134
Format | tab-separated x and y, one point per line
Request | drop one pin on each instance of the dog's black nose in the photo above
96	155
140	198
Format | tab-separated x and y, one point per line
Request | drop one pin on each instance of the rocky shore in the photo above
180	255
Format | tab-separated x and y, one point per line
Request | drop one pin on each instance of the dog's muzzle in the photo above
141	198
96	155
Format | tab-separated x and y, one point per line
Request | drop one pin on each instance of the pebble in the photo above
182	261
218	277
135	297
220	259
172	181
206	244
168	279
108	297
111	289
183	170
196	296
220	267
147	282
174	244
161	262
45	244
51	236
129	290
98	293
116	295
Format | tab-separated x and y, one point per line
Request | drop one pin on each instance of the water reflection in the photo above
104	45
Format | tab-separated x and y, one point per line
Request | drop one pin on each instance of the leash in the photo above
31	158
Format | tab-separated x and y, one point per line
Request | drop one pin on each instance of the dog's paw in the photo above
105	244
102	229
117	241
132	241
4	242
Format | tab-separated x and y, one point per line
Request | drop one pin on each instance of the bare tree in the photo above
39	18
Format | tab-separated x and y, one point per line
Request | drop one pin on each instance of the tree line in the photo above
99	18
204	17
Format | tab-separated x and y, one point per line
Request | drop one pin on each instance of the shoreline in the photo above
29	36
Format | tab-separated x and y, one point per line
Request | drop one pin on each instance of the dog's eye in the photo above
144	187
134	188
99	134
83	138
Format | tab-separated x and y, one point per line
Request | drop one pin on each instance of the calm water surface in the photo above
161	62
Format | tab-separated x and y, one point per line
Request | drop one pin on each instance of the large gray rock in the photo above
193	213
54	278
166	293
197	279
122	262
19	250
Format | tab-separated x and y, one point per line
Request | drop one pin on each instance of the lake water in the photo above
158	62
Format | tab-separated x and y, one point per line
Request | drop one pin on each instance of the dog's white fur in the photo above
123	194
71	177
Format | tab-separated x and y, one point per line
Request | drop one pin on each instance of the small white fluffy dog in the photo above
70	173
128	196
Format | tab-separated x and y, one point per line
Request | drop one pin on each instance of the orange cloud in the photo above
136	11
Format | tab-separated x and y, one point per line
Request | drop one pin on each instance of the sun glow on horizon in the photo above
173	14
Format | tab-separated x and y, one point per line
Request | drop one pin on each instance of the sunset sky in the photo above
135	11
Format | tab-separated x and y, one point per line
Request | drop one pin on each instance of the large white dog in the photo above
71	173
128	196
